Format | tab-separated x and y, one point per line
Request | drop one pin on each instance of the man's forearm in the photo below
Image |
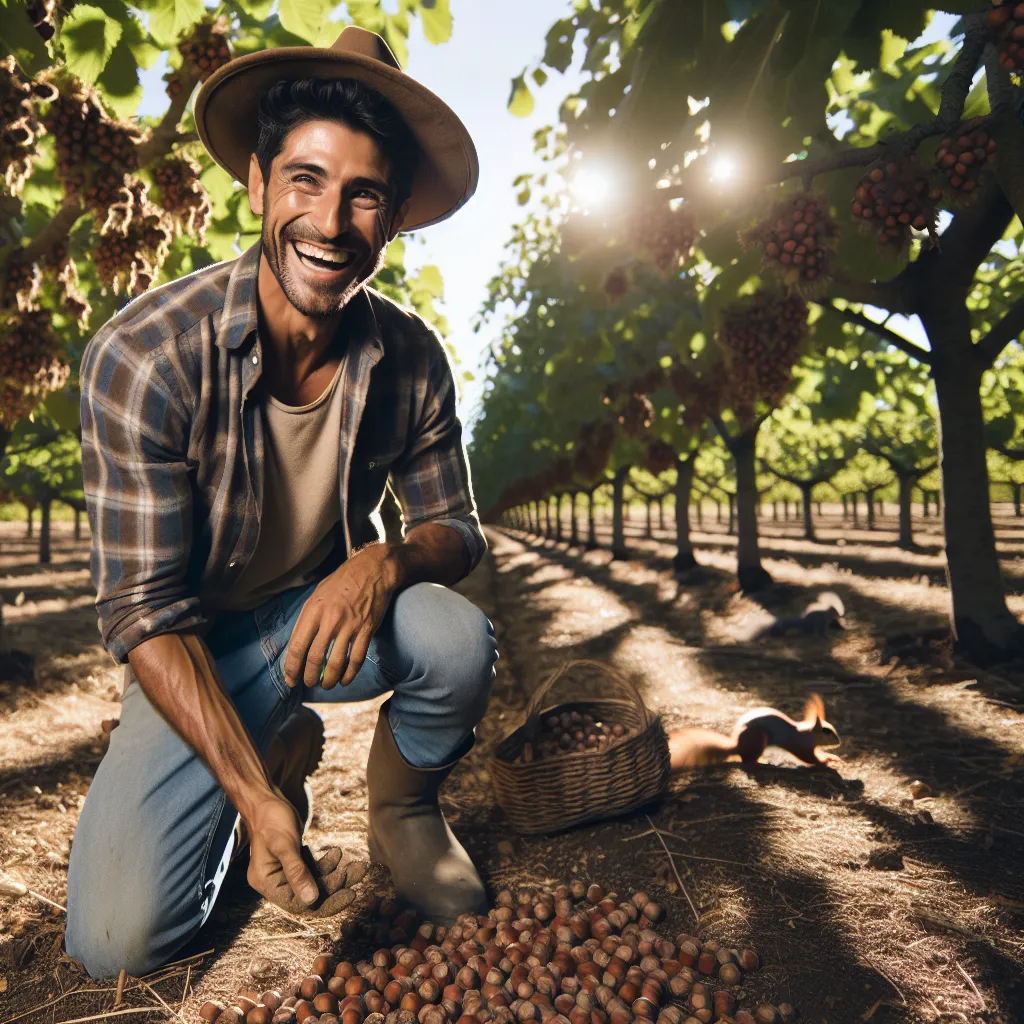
430	553
178	674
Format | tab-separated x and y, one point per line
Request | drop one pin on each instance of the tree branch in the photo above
886	334
951	105
1006	128
1014	454
1010	328
58	228
166	135
887	295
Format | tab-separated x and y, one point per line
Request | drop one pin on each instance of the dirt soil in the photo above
865	901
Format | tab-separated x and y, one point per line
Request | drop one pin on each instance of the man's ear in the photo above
255	186
398	220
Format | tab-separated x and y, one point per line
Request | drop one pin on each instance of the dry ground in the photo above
864	902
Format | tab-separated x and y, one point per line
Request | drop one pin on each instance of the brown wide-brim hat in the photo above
226	114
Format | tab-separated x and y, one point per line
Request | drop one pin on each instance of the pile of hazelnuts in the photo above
570	955
571	732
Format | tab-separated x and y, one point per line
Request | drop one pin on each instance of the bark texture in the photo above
684	559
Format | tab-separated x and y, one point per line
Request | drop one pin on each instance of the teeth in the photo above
308	249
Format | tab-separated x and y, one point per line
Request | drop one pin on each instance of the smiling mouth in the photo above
318	258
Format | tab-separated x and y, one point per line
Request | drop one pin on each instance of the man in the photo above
238	429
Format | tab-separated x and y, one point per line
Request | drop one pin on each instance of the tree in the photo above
43	463
806	455
770	95
99	204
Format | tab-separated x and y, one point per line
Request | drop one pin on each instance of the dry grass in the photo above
865	903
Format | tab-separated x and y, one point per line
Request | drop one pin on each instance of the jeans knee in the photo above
456	648
104	945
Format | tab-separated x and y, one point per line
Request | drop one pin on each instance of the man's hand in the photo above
347	608
284	871
275	852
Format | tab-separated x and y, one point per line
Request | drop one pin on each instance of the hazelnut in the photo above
336	986
304	1009
328	1018
766	1014
259	1014
326	1002
749	960
322	965
245	1003
211	1010
730	974
271	999
787	1011
353	1015
311	986
706	963
577	889
595	893
284	1015
724	1004
373	1001
412	1002
232	1015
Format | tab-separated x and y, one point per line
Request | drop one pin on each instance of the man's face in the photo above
327	217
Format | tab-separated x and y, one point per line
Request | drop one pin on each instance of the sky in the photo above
472	73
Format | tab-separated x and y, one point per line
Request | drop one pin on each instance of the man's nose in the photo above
333	215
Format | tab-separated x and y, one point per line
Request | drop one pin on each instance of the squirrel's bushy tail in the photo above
689	748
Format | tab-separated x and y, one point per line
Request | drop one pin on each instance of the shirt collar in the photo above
239	319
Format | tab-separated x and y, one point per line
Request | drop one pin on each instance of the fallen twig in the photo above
8	887
156	995
974	988
675	870
122	977
114	1013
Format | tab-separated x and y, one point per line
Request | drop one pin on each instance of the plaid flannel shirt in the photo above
173	446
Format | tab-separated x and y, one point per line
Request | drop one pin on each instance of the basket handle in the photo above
613	675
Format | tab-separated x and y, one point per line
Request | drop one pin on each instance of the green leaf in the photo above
259	9
520	101
540	76
119	82
429	278
89	36
437	21
168	19
19	37
304	17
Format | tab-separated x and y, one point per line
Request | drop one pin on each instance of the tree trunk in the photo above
649	528
805	489
574	528
856	510
846	508
591	526
938	502
558	518
684	559
775	511
732	515
982	624
44	532
30	508
535	520
700	512
718	512
661	513
785	509
750	573
871	509
1016	500
548	532
906	495
818	507
618	510
78	524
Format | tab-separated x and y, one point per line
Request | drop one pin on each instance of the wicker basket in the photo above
568	789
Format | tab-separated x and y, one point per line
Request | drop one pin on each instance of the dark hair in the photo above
287	104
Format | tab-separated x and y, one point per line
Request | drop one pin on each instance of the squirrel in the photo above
818	618
754	732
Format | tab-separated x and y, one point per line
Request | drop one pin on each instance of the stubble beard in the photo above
318	302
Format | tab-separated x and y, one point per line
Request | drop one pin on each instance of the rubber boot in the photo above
408	833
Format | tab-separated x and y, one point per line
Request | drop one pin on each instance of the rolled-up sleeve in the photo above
135	429
431	479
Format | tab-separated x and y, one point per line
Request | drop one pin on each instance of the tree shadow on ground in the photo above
889	726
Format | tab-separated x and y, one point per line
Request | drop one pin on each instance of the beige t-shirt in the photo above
301	496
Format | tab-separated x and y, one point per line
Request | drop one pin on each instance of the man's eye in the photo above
306	177
365	193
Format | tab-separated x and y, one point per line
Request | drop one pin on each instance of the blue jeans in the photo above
155	834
